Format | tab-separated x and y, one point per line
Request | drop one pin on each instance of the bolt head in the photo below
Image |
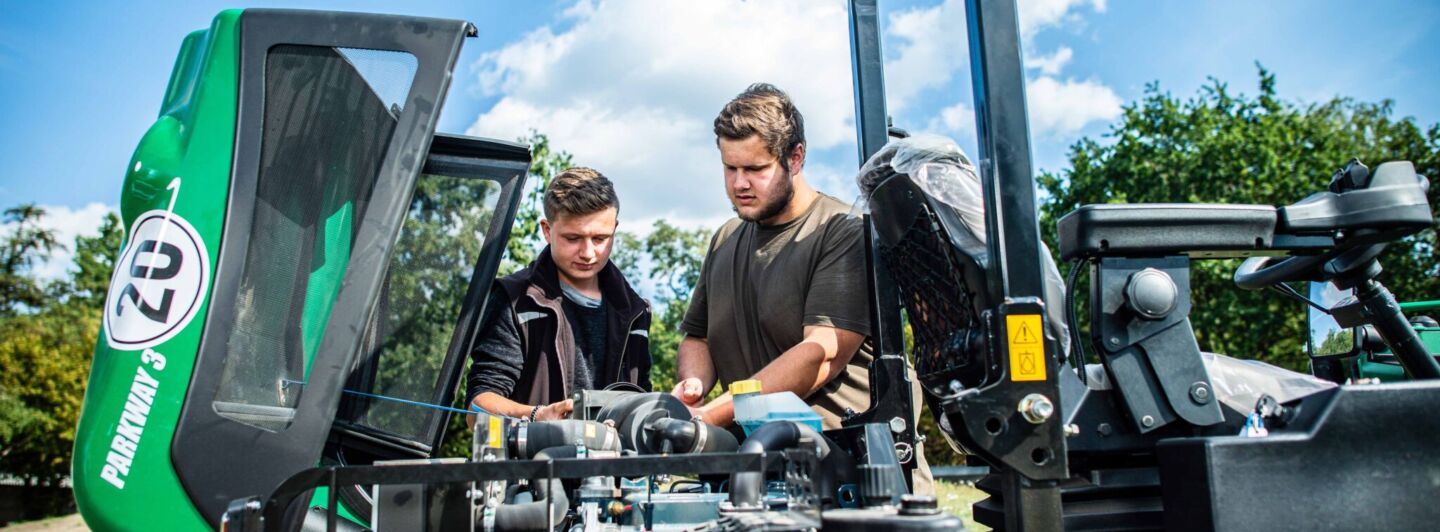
1147	421
1036	408
1200	393
897	425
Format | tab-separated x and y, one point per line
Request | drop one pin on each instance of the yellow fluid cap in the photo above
744	387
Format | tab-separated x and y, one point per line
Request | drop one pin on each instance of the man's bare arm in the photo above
695	370
819	357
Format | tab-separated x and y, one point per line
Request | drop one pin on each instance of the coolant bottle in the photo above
753	408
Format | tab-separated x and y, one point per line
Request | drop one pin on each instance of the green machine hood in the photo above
293	170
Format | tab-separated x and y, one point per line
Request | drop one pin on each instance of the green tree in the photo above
676	255
1223	147
1337	341
94	262
48	333
28	243
525	238
52	349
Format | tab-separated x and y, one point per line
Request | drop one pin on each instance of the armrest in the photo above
1161	229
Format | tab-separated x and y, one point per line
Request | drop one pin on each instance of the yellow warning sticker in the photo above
1027	347
494	433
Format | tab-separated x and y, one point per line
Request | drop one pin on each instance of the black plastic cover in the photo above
1161	229
1354	457
1394	200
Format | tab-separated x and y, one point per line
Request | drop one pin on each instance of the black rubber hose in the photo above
529	438
717	440
686	437
533	516
747	487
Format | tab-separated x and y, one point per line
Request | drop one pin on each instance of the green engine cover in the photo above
173	208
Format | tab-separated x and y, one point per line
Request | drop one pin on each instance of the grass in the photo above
68	523
956	498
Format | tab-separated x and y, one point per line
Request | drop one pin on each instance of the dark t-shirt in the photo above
761	286
587	319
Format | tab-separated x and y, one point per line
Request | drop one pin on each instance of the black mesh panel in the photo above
949	336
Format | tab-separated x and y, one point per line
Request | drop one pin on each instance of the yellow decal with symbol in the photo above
1027	347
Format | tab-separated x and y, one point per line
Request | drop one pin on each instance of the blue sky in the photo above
630	86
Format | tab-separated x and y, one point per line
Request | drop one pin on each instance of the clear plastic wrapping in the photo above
943	171
1239	383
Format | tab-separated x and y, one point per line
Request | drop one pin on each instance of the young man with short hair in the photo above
568	321
782	293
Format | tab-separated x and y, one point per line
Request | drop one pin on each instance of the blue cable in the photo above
416	403
474	408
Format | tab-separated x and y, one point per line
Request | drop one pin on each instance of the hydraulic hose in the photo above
531	437
550	502
748	487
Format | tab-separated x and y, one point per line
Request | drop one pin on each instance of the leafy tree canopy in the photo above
1224	147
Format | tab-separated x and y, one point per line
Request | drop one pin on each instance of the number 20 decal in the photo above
159	281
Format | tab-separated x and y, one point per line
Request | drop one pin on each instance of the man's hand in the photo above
690	391
554	411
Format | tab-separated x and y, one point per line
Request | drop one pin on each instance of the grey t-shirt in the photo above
761	286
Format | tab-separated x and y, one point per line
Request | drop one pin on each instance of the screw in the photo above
956	387
1072	430
1104	429
1147	421
1115	340
1036	408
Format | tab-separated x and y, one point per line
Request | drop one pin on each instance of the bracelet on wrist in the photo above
534	410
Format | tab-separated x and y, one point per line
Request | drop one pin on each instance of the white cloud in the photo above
958	119
1050	65
631	87
1063	107
930	49
67	223
1036	15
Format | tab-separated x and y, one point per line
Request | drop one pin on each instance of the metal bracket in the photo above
1153	357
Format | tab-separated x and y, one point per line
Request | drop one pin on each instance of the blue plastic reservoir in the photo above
753	408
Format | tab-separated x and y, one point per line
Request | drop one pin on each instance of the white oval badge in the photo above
159	281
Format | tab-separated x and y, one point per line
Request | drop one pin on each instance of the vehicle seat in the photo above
928	211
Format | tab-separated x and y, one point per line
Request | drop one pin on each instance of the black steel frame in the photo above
459	156
1013	236
275	506
1015	274
891	396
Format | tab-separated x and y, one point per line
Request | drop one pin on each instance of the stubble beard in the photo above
775	206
